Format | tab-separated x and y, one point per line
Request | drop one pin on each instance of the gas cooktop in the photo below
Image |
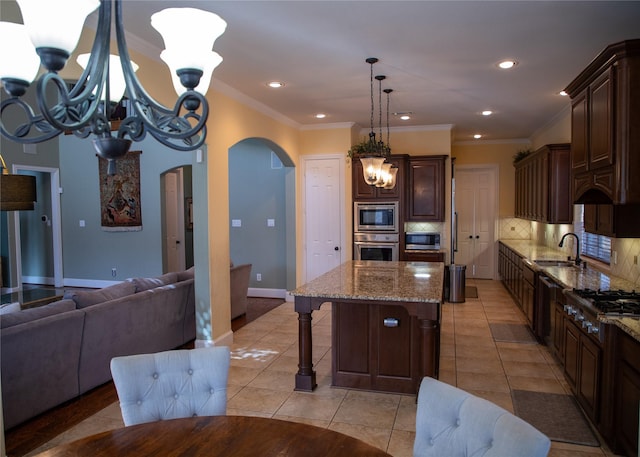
618	302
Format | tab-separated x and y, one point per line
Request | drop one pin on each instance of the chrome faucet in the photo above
578	260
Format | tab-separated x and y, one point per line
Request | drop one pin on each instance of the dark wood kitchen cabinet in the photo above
364	192
605	100
375	347
422	256
543	185
510	271
426	189
619	221
582	360
528	295
627	395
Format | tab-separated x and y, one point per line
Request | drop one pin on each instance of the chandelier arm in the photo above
163	123
33	121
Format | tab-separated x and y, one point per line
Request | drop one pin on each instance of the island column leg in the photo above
430	347
306	376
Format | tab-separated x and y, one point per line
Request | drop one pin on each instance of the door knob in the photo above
336	248
177	241
477	236
470	237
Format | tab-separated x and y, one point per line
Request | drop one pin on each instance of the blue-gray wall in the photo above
90	252
258	192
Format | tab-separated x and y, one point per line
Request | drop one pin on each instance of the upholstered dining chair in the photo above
172	384
452	422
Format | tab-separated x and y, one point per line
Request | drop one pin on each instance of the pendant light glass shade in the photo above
18	58
117	84
383	177
56	24
391	181
371	168
188	48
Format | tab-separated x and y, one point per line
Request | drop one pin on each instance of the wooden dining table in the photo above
218	436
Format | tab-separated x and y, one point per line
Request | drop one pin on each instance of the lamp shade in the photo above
391	182
371	168
384	175
175	62
56	24
188	30
117	83
17	192
18	58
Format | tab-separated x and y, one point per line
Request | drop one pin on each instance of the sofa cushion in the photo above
186	274
142	284
84	298
31	314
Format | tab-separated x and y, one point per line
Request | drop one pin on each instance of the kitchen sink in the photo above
554	263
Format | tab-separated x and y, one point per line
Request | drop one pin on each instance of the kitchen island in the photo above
385	324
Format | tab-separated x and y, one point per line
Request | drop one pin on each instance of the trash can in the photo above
456	283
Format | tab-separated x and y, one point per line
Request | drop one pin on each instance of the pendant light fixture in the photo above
49	36
373	152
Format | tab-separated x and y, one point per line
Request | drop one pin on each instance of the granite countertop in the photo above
379	280
578	278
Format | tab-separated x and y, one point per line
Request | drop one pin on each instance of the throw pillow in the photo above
84	298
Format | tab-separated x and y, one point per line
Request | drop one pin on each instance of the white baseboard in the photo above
89	283
45	280
267	293
224	340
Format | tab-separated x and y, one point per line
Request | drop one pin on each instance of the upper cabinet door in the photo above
601	122
426	190
579	134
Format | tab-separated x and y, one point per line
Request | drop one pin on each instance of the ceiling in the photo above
439	57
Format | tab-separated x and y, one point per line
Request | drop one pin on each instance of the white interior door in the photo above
174	221
476	205
323	214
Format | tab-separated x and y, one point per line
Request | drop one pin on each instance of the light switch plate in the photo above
236	222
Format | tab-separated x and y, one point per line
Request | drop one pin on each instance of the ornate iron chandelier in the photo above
87	107
372	153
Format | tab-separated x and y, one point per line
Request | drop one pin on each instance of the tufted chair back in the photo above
172	384
451	422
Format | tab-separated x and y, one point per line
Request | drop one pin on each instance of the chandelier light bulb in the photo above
19	62
55	26
117	83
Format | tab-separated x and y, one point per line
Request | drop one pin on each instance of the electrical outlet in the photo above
614	256
635	260
259	277
513	229
114	272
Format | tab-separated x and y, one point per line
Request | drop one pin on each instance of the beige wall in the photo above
496	153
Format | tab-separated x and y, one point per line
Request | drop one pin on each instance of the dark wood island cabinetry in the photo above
385	328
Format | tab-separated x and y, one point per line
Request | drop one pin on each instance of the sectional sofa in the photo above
56	352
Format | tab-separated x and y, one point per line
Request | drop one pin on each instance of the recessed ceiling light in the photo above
320	116
563	93
487	112
404	115
477	136
275	84
506	64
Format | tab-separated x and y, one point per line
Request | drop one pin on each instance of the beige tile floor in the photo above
265	357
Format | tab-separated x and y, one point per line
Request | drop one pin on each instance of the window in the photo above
595	246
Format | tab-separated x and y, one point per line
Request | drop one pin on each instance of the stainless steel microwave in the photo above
375	217
421	241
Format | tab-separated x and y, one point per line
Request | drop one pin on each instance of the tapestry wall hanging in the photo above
120	209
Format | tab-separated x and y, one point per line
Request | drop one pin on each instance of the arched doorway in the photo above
262	215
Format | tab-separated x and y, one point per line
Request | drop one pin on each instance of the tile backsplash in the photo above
512	228
625	252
